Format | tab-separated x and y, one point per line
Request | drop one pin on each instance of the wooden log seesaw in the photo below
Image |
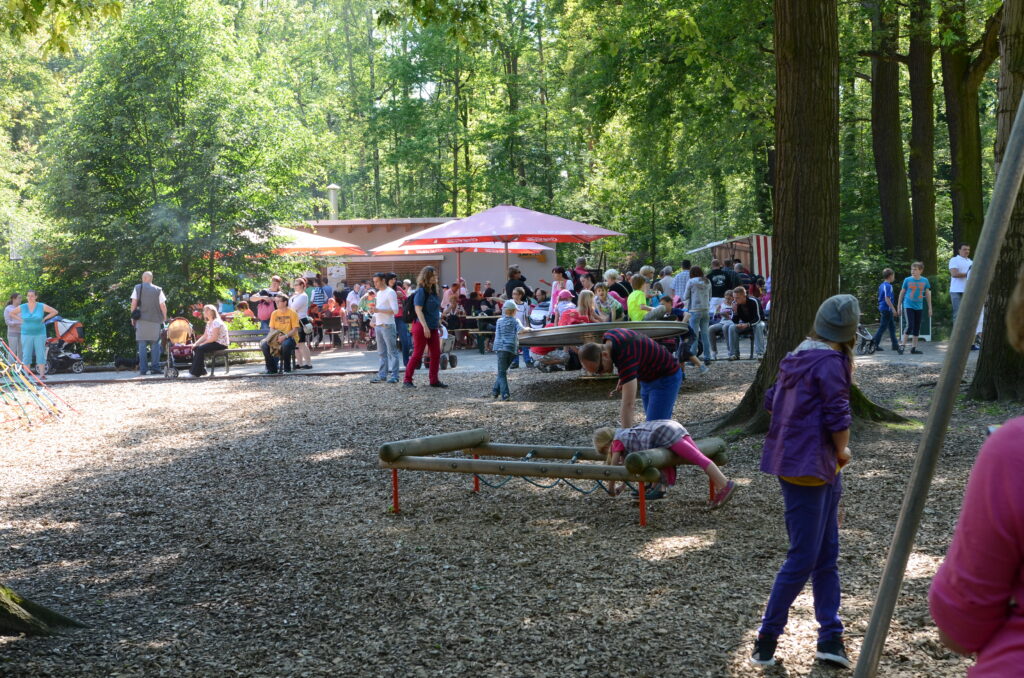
537	461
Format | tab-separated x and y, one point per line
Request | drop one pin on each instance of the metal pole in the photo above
997	220
394	489
476	478
643	504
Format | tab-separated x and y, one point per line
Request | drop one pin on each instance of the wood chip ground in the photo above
241	528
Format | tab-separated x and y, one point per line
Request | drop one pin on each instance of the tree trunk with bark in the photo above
20	615
806	197
1000	371
962	74
887	133
922	134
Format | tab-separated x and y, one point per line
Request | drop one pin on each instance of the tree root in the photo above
20	615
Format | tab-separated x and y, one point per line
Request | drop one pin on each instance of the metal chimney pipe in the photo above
332	197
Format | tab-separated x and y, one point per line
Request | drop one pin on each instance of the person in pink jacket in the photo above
976	595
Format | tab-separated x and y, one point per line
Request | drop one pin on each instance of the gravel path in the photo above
240	528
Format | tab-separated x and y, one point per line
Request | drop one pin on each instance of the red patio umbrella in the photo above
301	242
507	224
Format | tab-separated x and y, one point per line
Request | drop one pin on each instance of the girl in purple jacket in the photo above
806	447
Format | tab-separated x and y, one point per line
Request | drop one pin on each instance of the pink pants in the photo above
685	448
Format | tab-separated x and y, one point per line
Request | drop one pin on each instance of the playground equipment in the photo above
417	454
24	399
575	335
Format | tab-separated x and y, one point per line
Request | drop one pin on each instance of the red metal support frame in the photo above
394	490
476	478
711	490
643	504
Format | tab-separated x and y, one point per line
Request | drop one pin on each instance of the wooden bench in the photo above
247	340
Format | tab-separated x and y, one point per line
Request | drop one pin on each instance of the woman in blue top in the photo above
33	316
426	327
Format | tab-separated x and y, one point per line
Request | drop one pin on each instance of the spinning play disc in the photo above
575	335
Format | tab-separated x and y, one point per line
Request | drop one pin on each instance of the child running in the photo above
916	289
616	443
806	447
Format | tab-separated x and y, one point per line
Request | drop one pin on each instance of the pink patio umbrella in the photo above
507	224
398	247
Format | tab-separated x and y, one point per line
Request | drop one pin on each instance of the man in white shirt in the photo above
959	272
387	336
149	313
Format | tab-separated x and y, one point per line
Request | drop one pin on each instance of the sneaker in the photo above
408	384
392	381
514	366
832	651
704	369
714	356
506	398
376	380
734	357
878	347
723	495
439	384
914	351
531	364
305	367
764	650
975	347
899	350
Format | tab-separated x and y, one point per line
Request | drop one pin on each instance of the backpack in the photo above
409	309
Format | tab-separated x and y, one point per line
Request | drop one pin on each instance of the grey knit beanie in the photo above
837	318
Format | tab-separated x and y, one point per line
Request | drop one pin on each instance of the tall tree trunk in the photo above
961	78
887	133
806	205
1000	371
922	134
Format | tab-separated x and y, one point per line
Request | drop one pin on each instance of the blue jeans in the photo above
699	324
659	395
287	350
955	298
505	359
405	338
813	527
154	352
527	358
387	351
887	322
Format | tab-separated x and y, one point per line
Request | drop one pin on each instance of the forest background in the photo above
164	134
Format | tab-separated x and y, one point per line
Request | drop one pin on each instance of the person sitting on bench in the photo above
747	318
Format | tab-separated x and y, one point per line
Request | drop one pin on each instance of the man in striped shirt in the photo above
639	359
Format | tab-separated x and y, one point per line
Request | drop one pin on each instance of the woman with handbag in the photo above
299	302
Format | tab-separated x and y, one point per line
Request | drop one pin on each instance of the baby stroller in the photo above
60	353
448	357
865	340
177	341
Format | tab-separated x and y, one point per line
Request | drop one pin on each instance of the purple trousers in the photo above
813	525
